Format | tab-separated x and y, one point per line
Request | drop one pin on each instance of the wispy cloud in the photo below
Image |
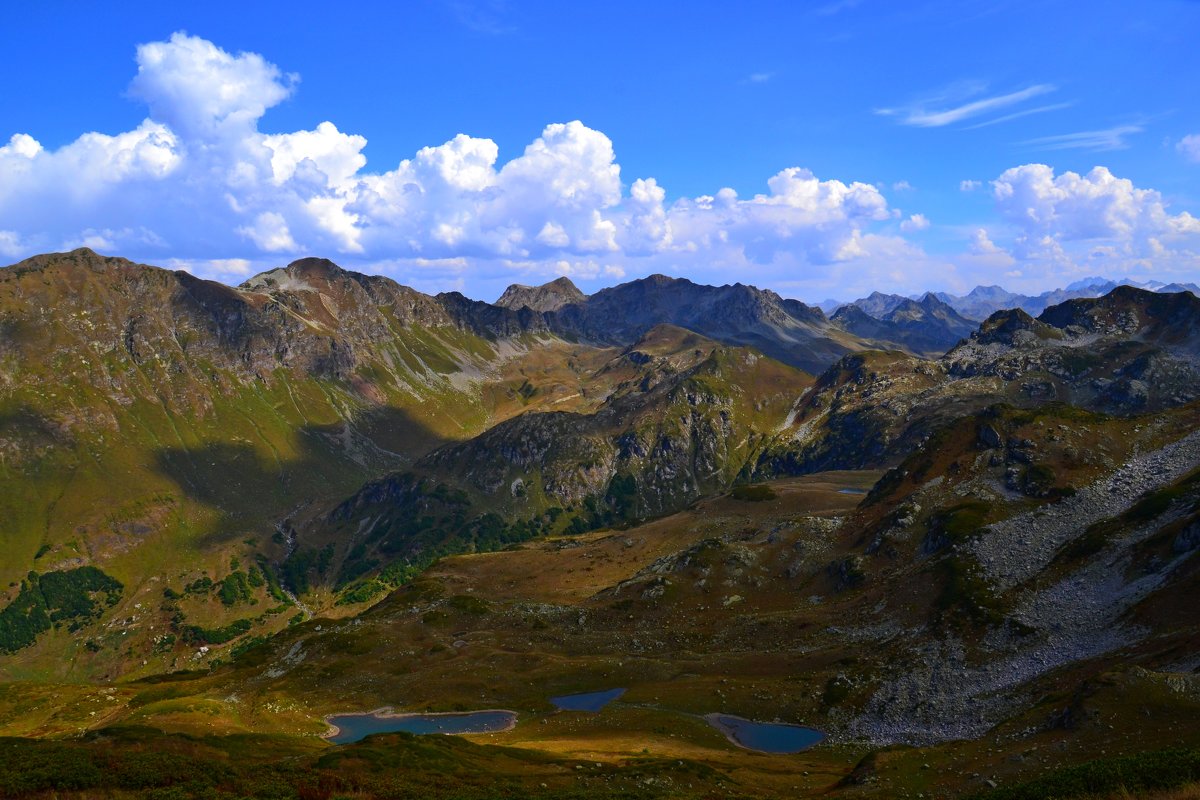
487	17
1018	114
759	77
1107	139
923	115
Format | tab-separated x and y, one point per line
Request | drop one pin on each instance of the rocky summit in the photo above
959	549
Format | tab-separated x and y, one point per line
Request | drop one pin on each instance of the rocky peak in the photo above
313	267
548	297
852	314
1012	328
316	274
879	305
79	258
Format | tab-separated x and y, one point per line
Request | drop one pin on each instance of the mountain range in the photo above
964	551
983	301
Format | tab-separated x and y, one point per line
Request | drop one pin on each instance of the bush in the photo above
235	588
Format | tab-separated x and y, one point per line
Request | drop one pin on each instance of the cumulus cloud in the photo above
198	181
968	185
197	185
203	92
981	244
1068	219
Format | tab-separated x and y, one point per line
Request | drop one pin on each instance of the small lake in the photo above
352	727
765	737
589	701
852	491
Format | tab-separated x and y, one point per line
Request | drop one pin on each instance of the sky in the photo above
823	149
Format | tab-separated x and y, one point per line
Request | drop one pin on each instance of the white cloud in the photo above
981	244
760	77
924	114
1017	115
902	186
1099	141
225	268
21	145
1190	147
1064	220
198	181
198	185
968	185
335	155
270	232
202	92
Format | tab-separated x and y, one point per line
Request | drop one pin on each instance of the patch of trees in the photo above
72	598
194	634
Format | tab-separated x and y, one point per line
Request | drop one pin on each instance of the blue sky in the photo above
865	117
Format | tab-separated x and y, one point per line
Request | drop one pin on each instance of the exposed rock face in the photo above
548	297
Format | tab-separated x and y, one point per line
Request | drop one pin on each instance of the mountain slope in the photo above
690	418
157	426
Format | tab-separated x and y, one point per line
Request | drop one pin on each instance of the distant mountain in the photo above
1179	287
787	330
547	297
929	327
879	305
983	301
